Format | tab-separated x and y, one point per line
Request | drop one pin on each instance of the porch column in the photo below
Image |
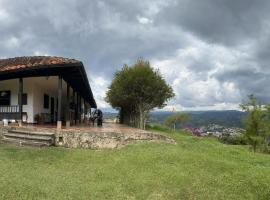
67	108
80	109
84	111
20	101
76	108
59	121
73	106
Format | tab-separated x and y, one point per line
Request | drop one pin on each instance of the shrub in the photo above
234	140
158	127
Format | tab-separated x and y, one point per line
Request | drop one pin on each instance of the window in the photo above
4	98
24	99
46	101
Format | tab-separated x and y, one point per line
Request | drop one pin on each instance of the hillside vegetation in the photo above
226	118
194	168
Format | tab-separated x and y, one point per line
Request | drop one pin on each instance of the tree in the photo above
137	89
257	122
176	118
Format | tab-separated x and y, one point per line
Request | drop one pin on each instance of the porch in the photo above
41	101
44	89
9	112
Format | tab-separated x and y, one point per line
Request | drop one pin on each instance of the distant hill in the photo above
110	115
228	118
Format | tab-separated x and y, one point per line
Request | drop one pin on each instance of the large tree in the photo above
257	123
176	118
137	89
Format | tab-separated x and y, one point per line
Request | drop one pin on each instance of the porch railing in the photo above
9	109
9	112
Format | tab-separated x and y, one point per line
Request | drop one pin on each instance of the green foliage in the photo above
137	89
234	140
227	118
176	118
257	122
158	127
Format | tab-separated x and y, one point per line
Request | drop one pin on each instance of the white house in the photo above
44	88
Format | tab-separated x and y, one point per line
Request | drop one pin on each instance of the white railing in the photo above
9	109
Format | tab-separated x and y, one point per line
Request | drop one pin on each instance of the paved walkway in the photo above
107	127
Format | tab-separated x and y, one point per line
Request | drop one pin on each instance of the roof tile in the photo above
12	64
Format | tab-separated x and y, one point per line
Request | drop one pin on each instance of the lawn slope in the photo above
194	168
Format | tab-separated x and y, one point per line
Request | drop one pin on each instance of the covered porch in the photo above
40	101
55	92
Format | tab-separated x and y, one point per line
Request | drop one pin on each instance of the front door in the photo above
52	109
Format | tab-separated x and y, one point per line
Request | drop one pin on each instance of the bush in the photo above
234	140
265	148
158	127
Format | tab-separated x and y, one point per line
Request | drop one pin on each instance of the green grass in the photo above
195	168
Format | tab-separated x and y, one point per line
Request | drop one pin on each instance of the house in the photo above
44	88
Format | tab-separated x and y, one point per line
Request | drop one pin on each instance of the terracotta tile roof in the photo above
12	64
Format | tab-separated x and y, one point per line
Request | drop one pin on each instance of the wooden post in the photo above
59	114
80	109
20	101
73	103
84	111
76	107
68	107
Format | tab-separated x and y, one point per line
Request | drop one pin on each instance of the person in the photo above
99	117
97	114
93	117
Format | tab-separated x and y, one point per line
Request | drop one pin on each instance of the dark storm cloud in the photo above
103	35
225	21
219	48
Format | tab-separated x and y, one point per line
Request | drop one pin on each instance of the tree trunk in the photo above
141	118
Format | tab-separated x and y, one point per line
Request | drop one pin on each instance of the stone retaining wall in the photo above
94	140
111	140
3	130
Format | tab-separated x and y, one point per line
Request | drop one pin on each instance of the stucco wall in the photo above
36	88
13	86
49	86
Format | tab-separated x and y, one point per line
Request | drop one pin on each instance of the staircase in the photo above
29	138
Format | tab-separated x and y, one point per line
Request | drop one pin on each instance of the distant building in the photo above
52	89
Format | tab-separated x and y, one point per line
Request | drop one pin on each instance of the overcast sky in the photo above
213	52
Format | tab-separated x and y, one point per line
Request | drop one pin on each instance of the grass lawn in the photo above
195	168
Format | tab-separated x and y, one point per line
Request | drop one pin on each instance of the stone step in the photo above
28	136
28	132
21	142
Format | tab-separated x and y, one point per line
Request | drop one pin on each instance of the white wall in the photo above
36	88
13	86
49	86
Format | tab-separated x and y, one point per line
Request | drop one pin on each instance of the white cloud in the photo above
99	86
3	14
38	53
191	74
13	42
144	20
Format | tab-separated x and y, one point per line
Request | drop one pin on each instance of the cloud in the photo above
228	22
144	20
193	74
212	52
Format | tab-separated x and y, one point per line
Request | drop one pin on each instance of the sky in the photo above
213	52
